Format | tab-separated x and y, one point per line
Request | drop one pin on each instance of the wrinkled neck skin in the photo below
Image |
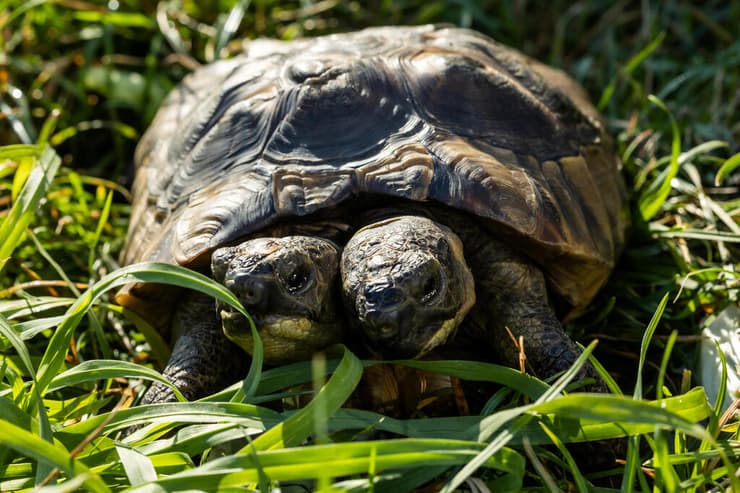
510	293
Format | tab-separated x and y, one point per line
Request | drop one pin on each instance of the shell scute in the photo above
425	113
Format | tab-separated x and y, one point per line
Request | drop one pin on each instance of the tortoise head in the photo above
406	285
288	286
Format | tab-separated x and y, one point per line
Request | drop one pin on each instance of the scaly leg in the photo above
203	360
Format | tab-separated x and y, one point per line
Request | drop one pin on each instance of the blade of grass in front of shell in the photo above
154	272
345	458
331	396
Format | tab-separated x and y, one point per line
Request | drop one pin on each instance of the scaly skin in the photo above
512	294
203	361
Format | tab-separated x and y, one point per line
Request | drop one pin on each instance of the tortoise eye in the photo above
297	279
431	288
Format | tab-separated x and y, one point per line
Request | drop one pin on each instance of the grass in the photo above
80	80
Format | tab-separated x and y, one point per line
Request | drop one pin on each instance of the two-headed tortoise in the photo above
475	180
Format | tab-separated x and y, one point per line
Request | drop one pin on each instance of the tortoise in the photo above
473	189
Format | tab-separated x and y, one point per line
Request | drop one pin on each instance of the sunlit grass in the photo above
79	83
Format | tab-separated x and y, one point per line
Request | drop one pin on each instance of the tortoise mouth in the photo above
387	342
285	338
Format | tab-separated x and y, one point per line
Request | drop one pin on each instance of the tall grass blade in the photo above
331	396
580	481
493	423
646	338
652	199
7	331
138	467
102	221
664	364
154	272
344	459
632	64
230	26
727	167
34	190
608	418
52	455
90	371
631	469
45	431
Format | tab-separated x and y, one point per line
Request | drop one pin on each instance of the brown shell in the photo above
425	113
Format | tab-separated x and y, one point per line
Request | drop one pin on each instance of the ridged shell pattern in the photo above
426	113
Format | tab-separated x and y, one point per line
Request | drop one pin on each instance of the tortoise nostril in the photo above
381	325
251	296
249	291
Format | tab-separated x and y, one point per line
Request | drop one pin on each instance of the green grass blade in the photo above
345	459
664	364
122	19
193	439
73	485
90	371
632	64
16	152
139	468
727	167
578	478
14	415
290	375
482	372
154	272
492	424
230	25
646	338
251	418
54	264
45	431
17	342
624	411
52	455
666	478
443	427
32	306
20	10
34	190
652	199
631	469
252	380
607	420
331	396
49	125
102	220
713	426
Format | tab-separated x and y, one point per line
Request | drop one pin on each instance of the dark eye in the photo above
297	279
431	288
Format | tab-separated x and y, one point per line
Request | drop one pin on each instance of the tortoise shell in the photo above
429	113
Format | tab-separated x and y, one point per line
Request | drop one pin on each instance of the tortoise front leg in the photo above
512	294
203	360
